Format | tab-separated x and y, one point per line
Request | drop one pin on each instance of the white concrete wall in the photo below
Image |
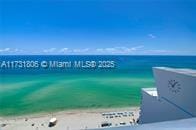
157	110
186	97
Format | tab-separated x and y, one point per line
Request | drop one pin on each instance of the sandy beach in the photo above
72	119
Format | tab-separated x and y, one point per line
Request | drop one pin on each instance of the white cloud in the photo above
151	36
50	50
112	50
17	50
10	50
85	50
136	50
109	50
99	49
118	50
5	50
160	52
64	50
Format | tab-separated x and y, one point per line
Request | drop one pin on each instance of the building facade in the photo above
173	98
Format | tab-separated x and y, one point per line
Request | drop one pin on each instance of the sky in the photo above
105	27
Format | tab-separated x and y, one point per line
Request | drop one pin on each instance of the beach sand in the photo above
69	120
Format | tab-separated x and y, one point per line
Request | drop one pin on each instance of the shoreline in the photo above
69	111
70	119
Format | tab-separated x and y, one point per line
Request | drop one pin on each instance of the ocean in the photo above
39	90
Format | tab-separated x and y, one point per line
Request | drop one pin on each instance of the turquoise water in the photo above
36	91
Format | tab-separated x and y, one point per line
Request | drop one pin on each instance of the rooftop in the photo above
151	91
186	71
